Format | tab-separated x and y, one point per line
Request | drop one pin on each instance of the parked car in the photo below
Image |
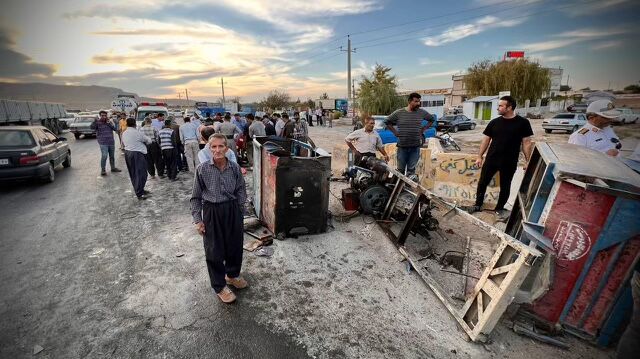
578	107
31	152
626	116
82	126
453	123
388	137
569	122
68	120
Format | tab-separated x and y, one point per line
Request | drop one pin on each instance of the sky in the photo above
160	48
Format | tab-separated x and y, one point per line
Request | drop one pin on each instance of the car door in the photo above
48	149
60	146
464	122
581	120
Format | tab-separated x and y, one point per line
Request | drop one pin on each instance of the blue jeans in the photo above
408	158
107	150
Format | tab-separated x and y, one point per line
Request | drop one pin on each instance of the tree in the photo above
324	96
377	94
310	103
632	89
525	79
275	100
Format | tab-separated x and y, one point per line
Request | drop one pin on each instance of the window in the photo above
15	138
50	136
42	138
581	118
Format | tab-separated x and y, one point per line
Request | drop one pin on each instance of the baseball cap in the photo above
603	108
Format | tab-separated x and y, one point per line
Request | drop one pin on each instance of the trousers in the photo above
408	159
169	161
191	152
137	167
489	169
222	241
154	160
107	150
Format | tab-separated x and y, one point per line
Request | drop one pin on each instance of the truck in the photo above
326	104
145	109
34	113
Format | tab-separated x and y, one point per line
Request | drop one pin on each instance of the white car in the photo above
569	122
626	116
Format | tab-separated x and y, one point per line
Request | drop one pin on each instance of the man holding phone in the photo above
104	134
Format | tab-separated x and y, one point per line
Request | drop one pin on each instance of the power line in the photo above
516	17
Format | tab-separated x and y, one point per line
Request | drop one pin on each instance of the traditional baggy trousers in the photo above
137	166
169	160
222	241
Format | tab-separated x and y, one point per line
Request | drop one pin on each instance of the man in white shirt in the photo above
365	142
135	150
279	125
597	133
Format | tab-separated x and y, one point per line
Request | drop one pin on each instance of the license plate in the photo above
4	161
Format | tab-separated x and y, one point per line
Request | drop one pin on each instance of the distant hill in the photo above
74	97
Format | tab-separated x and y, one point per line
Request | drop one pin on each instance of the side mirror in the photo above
61	139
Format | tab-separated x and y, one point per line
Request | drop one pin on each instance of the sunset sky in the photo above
159	48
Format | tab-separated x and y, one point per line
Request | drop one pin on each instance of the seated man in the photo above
365	142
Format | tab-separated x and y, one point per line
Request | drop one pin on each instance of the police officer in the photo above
597	133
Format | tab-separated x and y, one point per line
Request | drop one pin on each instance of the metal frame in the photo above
498	284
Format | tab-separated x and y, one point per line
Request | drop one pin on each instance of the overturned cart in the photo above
473	268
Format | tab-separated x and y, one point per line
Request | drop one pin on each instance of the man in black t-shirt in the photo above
503	137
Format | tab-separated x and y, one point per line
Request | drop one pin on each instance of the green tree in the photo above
525	79
324	96
632	89
276	100
377	94
310	103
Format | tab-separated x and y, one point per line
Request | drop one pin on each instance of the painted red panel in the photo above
574	222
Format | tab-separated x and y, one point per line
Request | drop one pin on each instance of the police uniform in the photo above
599	139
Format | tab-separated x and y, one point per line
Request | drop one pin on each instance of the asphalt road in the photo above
87	270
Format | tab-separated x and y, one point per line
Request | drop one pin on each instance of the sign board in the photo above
514	54
201	104
123	104
342	105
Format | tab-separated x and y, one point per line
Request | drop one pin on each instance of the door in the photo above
486	113
47	148
60	146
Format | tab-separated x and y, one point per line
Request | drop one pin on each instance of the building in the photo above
434	101
458	91
555	76
481	108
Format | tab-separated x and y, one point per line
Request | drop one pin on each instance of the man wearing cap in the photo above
597	133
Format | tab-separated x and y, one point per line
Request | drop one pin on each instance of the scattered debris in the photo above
450	231
520	328
179	255
264	252
252	245
37	349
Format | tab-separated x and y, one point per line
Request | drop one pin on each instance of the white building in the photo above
434	101
481	108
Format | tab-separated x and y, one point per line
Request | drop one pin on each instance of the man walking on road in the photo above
154	154
503	136
189	138
365	142
104	134
169	148
135	150
217	207
410	133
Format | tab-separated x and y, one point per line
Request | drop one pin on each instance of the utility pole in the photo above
348	51
223	98
565	94
353	88
186	92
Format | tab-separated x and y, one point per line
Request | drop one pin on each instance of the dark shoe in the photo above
103	173
226	295
473	209
146	192
161	176
153	176
115	169
502	215
173	179
237	282
141	198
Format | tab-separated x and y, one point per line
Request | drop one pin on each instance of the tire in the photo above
547	131
624	121
455	145
455	129
76	135
51	176
574	129
67	161
473	126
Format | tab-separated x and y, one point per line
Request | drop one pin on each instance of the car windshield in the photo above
143	114
16	138
85	119
564	116
447	118
379	122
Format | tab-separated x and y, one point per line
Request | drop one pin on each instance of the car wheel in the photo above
455	129
67	161
624	121
574	129
547	131
473	126
51	176
76	135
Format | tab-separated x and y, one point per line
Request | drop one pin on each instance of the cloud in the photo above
462	31
427	61
568	38
18	65
438	74
591	8
607	45
545	58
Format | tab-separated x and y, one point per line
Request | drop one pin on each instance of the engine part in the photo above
374	199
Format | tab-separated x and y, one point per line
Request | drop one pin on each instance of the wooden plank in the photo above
480	300
485	275
503	269
491	288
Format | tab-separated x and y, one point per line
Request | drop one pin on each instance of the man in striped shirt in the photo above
168	145
410	133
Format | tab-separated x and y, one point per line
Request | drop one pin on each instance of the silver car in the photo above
82	126
569	122
626	116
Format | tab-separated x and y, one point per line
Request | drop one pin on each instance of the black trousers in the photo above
154	159
222	241
137	166
169	160
489	170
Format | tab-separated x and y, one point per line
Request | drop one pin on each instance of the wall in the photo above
456	179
